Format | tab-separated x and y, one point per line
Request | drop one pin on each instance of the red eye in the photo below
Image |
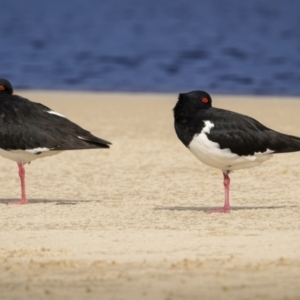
2	88
205	100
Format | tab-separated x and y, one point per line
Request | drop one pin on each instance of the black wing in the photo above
244	135
27	125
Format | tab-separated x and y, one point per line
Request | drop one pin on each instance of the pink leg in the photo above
22	177
226	208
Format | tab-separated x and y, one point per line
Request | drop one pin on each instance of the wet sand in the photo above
130	222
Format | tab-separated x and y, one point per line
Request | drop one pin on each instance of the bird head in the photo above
5	86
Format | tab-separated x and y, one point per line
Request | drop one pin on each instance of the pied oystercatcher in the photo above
30	130
224	139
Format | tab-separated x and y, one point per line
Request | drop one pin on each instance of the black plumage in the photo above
241	134
27	125
224	139
30	130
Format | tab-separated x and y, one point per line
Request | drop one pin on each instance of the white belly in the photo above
209	153
26	156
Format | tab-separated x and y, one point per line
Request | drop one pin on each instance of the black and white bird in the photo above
224	139
30	130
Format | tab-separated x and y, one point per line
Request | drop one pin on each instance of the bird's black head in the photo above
5	86
190	103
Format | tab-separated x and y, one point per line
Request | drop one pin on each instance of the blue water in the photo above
222	46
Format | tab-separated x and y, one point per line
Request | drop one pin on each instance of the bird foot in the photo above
20	202
219	210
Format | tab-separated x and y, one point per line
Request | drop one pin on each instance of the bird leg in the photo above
23	194
226	207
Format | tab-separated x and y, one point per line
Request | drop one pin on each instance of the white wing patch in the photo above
37	150
54	113
263	153
81	138
208	126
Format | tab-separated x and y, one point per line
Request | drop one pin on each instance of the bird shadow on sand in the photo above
206	208
45	201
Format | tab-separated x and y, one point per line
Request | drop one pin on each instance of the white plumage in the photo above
26	156
209	153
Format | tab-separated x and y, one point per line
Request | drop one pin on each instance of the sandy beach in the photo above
130	222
